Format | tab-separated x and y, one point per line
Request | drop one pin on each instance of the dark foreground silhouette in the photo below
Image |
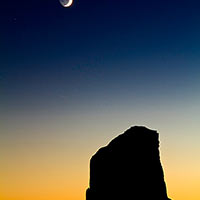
128	168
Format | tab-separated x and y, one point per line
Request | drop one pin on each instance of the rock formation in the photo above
128	168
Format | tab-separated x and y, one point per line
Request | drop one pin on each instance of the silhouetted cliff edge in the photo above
128	168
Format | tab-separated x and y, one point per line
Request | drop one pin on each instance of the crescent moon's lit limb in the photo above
68	4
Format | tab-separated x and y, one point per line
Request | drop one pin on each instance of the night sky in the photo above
73	78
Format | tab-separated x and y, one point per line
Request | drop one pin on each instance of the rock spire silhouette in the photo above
128	168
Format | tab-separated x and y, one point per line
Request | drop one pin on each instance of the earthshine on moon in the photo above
66	3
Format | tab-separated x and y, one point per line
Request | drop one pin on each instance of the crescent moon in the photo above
67	4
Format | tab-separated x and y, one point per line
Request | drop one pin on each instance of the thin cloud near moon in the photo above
66	3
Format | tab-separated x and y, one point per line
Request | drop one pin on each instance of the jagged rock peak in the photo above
128	168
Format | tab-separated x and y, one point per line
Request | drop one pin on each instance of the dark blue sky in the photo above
97	51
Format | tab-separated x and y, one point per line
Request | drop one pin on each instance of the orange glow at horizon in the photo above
57	168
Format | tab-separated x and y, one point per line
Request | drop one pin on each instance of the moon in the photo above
66	3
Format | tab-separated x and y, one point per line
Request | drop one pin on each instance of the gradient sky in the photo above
71	79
